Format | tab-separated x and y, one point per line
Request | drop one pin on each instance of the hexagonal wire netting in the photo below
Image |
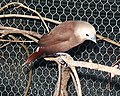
102	14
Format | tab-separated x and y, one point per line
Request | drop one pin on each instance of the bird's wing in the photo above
57	35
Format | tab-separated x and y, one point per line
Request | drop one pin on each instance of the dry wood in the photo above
21	5
72	64
9	30
66	76
30	74
58	84
28	16
69	60
20	41
57	22
2	46
108	40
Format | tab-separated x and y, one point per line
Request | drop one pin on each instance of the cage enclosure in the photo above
104	15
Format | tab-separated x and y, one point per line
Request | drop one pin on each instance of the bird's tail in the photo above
35	55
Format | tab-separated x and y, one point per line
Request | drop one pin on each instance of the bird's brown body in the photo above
62	38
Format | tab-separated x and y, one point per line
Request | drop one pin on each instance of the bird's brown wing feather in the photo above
60	39
58	34
59	47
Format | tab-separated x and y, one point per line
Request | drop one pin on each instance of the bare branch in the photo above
58	84
79	91
69	60
72	64
5	44
4	40
30	74
21	5
108	40
10	30
99	67
65	77
28	16
116	63
74	81
57	22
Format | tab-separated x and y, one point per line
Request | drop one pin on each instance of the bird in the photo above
62	38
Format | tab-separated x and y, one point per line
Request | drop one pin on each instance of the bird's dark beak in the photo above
31	58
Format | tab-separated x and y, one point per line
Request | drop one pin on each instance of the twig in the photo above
7	28
17	40
6	32
99	67
58	84
5	44
108	40
30	74
72	64
73	78
79	91
69	60
115	63
9	41
30	37
14	40
28	16
57	22
64	75
21	5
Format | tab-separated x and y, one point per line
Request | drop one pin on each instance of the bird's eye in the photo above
87	34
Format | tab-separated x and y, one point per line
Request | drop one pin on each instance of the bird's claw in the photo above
60	58
61	61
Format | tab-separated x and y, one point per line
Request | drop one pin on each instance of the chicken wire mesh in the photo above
102	14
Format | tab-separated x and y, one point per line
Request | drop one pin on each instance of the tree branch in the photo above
21	5
108	40
72	64
56	22
10	30
29	17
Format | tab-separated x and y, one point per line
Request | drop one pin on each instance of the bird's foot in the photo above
61	60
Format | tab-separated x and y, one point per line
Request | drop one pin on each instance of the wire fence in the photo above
104	15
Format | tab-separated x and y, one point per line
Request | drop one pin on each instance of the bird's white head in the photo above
85	31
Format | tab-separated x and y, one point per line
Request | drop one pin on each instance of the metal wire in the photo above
102	14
